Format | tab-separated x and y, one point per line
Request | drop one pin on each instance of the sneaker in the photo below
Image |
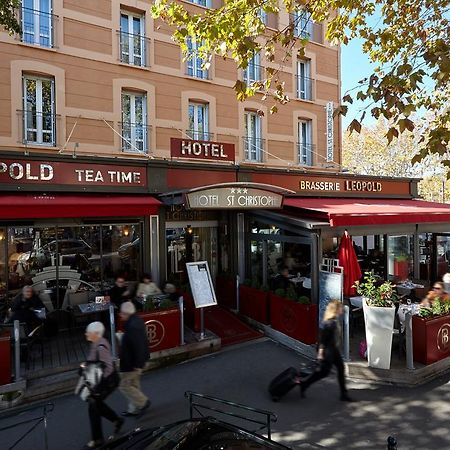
118	424
129	413
146	406
94	444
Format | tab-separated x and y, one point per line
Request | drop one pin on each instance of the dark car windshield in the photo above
204	436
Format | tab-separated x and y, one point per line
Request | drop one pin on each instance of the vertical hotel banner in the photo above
330	131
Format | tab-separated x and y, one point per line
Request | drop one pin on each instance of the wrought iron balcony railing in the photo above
305	87
305	153
254	148
38	27
135	137
134	49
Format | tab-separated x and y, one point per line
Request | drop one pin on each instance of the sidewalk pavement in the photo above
417	417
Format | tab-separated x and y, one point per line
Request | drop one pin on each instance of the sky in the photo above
355	66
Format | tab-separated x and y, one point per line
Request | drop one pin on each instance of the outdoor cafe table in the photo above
89	308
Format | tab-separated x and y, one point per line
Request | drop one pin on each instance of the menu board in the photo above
201	284
330	288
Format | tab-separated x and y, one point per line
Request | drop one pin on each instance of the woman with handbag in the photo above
100	359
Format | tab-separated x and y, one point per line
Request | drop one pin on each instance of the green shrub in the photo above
291	293
280	292
304	300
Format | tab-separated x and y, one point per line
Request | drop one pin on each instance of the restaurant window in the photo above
194	63
39	110
3	266
303	25
37	22
252	72
59	261
134	122
198	121
305	146
262	15
304	81
121	246
132	39
253	142
400	257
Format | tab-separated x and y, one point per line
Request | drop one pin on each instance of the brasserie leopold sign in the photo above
75	174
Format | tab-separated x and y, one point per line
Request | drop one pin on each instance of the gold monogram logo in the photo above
443	338
155	332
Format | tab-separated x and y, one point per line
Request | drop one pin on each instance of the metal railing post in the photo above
17	350
346	333
202	324
238	300
112	322
181	306
409	341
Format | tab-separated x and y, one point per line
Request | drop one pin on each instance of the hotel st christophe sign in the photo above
235	196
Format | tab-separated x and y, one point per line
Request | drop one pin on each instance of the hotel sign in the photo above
67	173
234	198
330	131
201	150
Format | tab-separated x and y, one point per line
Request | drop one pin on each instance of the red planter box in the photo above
254	303
431	339
191	313
226	292
5	358
401	269
294	319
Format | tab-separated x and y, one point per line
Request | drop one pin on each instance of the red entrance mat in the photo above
228	327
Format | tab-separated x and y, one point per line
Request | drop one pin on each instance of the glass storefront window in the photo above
442	255
400	257
3	284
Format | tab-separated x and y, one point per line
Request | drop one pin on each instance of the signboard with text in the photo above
72	174
234	197
201	150
201	284
330	131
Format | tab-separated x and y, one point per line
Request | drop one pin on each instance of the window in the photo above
305	147
205	3
304	81
134	122
303	25
400	257
39	110
37	22
194	62
262	15
132	39
198	121
253	71
253	144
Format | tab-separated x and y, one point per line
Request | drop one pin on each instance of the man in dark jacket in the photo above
134	354
24	308
119	293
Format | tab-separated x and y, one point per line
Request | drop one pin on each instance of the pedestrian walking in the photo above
329	353
99	380
134	354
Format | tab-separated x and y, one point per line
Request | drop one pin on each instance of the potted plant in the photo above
10	399
293	315
431	330
379	315
254	301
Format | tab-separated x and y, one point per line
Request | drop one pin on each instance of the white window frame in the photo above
304	26
253	143
130	36
262	15
37	14
204	3
252	72
196	133
194	63
39	130
133	125
304	83
305	149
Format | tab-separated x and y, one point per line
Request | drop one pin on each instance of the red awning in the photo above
342	212
75	206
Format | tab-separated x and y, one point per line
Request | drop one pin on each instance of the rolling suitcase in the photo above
283	383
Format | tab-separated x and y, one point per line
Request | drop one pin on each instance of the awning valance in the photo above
342	212
74	206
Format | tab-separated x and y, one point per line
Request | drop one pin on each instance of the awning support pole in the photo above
112	322
409	341
181	306
346	333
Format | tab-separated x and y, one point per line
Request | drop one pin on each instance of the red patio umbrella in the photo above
349	261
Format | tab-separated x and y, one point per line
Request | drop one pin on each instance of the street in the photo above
417	417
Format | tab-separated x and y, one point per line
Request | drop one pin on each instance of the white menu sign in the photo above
330	131
201	284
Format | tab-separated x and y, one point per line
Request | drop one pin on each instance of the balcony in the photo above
134	49
253	73
254	149
194	69
38	27
305	153
305	88
38	128
199	135
135	137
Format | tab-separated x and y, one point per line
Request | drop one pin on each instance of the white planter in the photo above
379	326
